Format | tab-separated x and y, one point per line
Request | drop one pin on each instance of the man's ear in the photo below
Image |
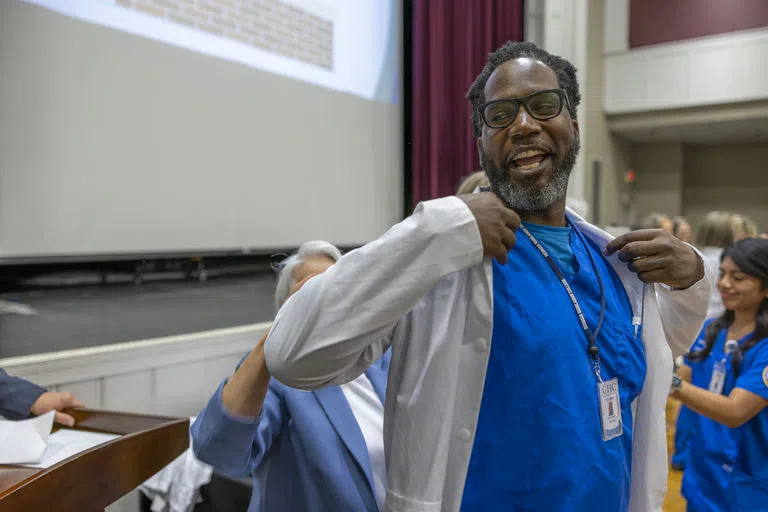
576	130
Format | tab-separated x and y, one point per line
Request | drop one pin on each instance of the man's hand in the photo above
50	401
496	222
656	256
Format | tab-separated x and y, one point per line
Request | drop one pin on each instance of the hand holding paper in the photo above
53	401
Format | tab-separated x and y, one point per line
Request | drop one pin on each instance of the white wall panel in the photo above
129	392
182	390
706	85
754	57
168	376
671	86
706	71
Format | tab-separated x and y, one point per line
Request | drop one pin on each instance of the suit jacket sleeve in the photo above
17	396
342	321
237	445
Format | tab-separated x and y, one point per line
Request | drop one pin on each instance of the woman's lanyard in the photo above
607	392
592	349
717	381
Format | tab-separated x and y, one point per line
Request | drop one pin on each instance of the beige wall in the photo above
727	177
599	144
659	182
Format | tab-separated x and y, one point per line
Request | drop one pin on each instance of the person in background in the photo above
658	221
513	323
725	380
315	451
20	399
750	228
743	227
470	183
715	233
681	228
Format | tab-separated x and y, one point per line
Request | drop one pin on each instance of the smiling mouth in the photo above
529	159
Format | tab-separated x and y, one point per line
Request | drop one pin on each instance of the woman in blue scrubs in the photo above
725	380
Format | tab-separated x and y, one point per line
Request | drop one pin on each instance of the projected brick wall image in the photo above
267	24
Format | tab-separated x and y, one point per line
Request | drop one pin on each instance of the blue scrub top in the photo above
539	445
748	489
728	468
711	453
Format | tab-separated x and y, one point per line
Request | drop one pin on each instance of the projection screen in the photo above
152	127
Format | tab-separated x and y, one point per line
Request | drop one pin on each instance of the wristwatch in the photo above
677	383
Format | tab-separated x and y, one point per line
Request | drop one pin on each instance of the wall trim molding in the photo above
744	111
90	363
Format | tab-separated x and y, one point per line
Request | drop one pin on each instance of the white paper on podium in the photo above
25	441
65	443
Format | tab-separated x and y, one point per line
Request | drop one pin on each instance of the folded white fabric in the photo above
176	488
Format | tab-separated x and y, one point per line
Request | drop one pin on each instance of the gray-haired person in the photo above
323	449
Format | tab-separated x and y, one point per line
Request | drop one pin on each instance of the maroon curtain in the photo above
451	40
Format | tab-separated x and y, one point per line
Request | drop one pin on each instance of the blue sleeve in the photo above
698	343
237	445
754	373
17	396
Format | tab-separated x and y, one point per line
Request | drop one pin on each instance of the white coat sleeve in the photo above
341	321
683	312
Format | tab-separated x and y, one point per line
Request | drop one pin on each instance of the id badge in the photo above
717	382
610	409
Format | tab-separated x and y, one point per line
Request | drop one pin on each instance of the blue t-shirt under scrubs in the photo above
727	469
539	445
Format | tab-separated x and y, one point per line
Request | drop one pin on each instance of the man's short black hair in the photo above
565	71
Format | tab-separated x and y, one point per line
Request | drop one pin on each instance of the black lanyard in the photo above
592	349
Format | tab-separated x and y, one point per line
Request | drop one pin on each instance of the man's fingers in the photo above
509	239
499	252
635	250
655	276
648	264
64	419
511	219
641	235
69	400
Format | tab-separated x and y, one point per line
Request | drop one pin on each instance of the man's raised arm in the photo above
341	321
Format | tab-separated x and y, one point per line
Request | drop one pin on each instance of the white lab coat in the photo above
424	289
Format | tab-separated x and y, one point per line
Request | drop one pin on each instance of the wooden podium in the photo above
95	478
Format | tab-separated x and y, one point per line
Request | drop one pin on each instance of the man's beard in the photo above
528	197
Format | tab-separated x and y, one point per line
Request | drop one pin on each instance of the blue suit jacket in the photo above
305	451
17	396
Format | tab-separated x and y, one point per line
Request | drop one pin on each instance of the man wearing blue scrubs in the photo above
535	447
541	420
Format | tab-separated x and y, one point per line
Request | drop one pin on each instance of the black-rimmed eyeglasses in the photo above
541	105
